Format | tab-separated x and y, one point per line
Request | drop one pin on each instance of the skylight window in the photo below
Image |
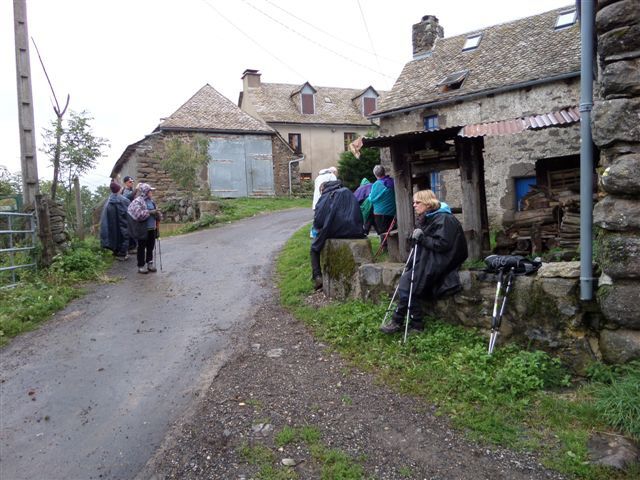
453	81
327	100
472	42
566	19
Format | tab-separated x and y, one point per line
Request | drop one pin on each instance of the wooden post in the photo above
79	218
44	230
469	154
28	157
404	196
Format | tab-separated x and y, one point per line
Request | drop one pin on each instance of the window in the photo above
453	81
431	122
566	19
368	105
308	104
295	141
435	180
471	43
348	138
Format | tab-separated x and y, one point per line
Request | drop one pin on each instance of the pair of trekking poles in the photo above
410	260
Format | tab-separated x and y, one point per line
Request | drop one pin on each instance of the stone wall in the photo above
543	311
616	132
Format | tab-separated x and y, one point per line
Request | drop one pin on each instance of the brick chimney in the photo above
425	35
251	78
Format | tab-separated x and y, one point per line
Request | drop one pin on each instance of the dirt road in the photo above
92	393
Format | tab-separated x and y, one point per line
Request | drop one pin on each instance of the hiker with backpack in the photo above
144	216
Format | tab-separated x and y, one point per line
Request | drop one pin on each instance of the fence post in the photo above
44	230
79	218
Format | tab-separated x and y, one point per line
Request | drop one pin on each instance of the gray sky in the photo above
131	62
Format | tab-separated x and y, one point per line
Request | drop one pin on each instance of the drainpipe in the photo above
297	160
586	148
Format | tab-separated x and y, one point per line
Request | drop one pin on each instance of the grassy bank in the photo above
517	398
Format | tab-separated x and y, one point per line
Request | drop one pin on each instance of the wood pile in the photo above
547	220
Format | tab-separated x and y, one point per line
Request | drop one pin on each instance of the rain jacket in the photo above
362	195
324	175
337	215
441	251
114	230
383	197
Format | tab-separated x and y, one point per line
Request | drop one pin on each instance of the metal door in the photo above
259	165
227	171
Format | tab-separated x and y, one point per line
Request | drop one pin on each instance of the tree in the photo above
184	160
353	170
10	183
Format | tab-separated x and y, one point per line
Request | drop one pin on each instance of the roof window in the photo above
453	81
472	42
566	19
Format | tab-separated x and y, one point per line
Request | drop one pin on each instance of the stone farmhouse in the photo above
318	122
248	158
480	117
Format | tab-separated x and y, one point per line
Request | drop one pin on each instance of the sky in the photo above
130	63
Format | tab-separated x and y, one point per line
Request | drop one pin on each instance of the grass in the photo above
517	398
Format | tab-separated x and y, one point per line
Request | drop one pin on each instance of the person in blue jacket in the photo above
383	199
114	229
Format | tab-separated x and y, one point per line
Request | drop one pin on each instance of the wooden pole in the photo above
44	230
79	219
404	196
26	123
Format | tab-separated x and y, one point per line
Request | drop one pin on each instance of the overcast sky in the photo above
132	62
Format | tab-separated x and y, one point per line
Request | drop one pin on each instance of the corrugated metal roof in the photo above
516	125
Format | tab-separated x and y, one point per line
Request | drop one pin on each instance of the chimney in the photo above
250	78
425	35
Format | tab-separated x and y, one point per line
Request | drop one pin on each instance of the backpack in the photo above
519	264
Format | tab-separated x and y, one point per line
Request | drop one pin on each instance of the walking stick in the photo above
497	314
384	320
413	271
384	240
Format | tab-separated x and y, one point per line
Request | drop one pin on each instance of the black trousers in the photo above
145	248
315	265
415	313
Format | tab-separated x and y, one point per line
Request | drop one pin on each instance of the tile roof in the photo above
525	50
209	110
274	103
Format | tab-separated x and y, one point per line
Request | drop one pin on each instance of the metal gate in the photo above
17	245
241	166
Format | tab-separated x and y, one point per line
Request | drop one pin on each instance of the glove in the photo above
417	235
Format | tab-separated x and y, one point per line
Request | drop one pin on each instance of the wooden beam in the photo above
404	196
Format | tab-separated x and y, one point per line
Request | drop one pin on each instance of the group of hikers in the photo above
439	244
130	223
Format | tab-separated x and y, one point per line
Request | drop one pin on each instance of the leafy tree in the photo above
184	159
10	183
353	170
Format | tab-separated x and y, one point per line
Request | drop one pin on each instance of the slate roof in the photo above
274	103
210	111
521	51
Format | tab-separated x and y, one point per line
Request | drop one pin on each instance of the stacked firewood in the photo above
546	220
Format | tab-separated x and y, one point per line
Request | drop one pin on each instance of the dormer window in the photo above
566	19
472	42
308	100
453	81
367	101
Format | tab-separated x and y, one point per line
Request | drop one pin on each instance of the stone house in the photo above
317	122
247	157
479	117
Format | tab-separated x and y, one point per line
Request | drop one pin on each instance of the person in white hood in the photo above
324	175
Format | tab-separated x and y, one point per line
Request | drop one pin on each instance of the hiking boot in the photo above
143	269
391	327
415	327
317	283
121	257
151	267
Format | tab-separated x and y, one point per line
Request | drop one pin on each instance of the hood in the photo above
444	208
364	181
387	181
331	186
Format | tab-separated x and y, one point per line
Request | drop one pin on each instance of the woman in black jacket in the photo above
440	249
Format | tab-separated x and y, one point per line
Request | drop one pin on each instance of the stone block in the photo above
617	15
340	260
616	120
619	255
625	39
621	79
622	177
617	214
620	346
210	207
619	303
559	270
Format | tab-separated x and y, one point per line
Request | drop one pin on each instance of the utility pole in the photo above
26	123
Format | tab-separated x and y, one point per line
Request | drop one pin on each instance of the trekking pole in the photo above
413	271
496	319
384	240
384	320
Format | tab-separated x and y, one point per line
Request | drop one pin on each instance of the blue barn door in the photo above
522	188
227	169
259	166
